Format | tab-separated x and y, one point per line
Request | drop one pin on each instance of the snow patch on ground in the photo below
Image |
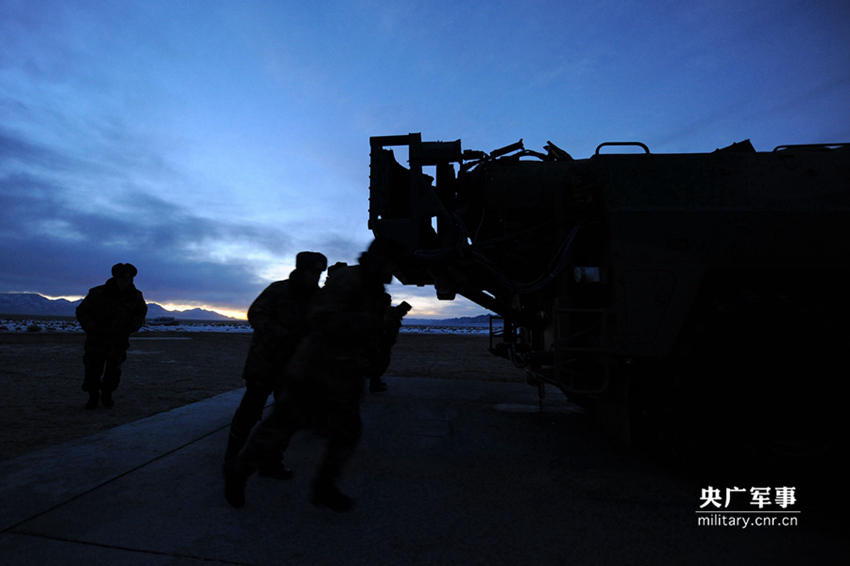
72	326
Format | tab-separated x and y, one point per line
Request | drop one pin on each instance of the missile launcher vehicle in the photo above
695	301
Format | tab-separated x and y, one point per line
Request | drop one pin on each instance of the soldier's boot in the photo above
326	493
106	399
94	397
276	470
235	478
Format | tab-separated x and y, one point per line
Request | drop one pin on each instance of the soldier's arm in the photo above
339	309
139	312
85	311
262	314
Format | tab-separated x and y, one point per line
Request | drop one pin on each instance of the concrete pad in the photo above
447	472
35	483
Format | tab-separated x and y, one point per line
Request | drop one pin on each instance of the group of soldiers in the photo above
313	349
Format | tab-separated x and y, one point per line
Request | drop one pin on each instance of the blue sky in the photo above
208	142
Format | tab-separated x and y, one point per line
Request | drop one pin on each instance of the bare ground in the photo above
41	376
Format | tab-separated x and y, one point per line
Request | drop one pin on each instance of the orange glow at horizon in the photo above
232	313
71	298
423	307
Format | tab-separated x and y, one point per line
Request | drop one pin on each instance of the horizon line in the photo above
233	314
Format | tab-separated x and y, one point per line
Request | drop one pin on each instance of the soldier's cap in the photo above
124	270
311	260
337	265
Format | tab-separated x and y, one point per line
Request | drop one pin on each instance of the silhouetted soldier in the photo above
379	351
109	314
278	317
326	376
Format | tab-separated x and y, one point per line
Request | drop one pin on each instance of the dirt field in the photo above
41	376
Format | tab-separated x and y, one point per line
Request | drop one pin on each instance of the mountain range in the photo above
480	320
35	304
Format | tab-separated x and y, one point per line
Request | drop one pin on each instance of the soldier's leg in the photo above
272	466
93	360
270	439
379	362
345	429
112	374
247	415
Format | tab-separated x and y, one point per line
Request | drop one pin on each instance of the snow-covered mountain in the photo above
481	320
156	311
35	304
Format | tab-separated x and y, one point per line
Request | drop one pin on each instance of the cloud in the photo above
209	146
426	305
60	240
68	213
17	149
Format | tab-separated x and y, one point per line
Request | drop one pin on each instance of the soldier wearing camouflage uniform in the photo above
108	315
278	317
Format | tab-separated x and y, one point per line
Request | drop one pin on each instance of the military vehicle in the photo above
695	301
